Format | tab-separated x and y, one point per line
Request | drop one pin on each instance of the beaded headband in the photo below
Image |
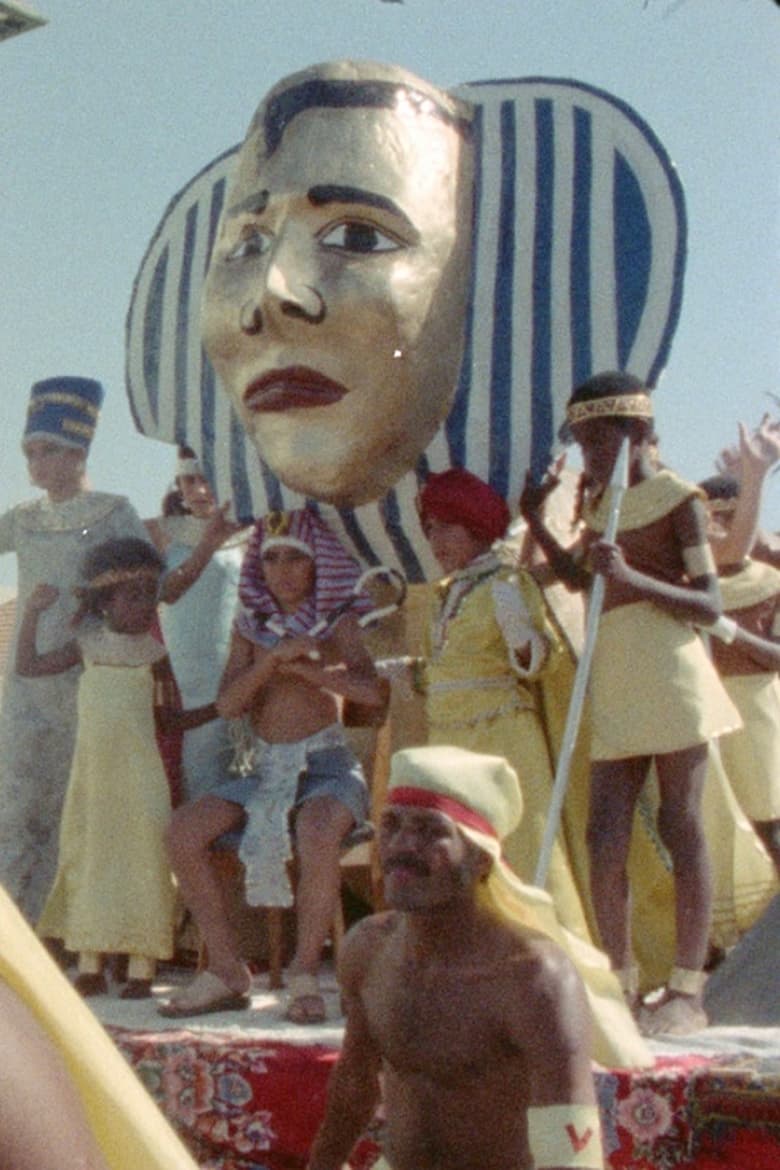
615	406
120	576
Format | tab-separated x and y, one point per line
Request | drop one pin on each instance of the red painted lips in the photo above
292	388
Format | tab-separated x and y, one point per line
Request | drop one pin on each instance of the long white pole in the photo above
618	484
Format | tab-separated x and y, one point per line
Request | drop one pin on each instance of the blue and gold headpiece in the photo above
64	410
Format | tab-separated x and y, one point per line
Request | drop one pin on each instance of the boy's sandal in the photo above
87	984
207	993
136	989
305	1004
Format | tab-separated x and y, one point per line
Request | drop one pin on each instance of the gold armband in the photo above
565	1135
699	561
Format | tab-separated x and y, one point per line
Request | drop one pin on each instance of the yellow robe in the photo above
475	699
128	1126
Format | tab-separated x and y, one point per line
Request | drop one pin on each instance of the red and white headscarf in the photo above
336	574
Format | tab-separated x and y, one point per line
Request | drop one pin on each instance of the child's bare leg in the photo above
681	777
191	831
320	828
614	790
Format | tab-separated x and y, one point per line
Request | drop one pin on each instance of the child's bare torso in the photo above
288	708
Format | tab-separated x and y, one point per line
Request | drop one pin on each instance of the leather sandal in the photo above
207	993
305	1004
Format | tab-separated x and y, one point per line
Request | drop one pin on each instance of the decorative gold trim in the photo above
616	406
60	398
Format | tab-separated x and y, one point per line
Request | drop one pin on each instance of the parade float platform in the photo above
246	1090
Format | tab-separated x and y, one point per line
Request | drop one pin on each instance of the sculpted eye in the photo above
251	243
360	238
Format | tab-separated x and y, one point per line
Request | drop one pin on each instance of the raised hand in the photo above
42	597
534	495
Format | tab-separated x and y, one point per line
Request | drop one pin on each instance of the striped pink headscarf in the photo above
336	574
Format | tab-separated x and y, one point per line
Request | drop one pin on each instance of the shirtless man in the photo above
285	673
479	1027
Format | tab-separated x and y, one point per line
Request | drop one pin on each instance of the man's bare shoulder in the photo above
363	946
550	988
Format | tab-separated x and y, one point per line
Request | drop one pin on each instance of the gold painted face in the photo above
334	305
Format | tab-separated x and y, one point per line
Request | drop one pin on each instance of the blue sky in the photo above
111	107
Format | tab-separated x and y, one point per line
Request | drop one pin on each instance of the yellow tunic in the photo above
653	687
752	756
114	890
476	699
126	1123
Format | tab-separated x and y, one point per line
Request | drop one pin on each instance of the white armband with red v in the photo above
565	1135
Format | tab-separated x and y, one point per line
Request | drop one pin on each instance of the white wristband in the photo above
724	628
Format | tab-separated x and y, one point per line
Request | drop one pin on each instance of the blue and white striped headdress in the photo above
578	261
64	410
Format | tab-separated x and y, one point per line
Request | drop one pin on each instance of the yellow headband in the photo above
616	406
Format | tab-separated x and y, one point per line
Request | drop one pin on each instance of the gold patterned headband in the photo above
719	504
120	576
616	406
61	398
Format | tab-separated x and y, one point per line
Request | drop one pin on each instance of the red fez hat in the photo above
458	496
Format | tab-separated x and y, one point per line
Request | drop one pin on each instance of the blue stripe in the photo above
580	259
243	506
541	365
355	533
391	518
183	313
457	420
503	310
207	445
633	255
215	210
153	319
274	500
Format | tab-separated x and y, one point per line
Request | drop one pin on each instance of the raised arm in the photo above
176	582
751	461
29	663
565	564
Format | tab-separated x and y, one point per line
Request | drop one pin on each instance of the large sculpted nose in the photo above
288	293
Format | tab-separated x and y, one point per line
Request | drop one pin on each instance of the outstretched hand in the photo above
219	528
534	495
756	452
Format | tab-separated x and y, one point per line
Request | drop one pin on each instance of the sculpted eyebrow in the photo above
331	193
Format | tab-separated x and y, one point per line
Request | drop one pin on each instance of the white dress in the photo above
38	717
197	630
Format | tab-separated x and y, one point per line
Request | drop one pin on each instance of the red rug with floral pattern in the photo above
249	1103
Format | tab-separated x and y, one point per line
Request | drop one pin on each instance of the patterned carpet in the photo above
247	1090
